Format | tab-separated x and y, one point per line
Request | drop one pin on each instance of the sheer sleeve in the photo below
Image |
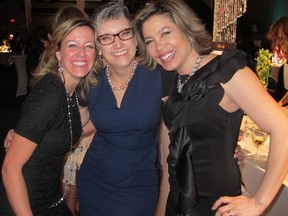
40	109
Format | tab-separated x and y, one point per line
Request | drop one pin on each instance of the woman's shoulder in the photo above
158	71
238	56
51	82
233	60
49	86
50	78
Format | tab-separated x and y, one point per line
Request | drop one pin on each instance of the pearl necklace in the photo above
180	85
67	186
127	82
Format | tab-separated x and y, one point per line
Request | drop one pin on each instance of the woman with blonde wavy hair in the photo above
49	124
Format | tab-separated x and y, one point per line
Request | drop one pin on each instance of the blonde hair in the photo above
67	13
183	16
49	63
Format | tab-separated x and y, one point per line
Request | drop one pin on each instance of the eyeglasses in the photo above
124	35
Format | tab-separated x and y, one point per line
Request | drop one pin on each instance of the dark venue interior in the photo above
252	26
21	21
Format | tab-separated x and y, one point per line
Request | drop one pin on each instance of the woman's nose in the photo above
159	44
81	51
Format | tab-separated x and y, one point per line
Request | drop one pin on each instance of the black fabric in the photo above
278	87
167	80
44	120
203	137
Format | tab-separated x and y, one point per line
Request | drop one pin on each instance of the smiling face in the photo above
167	45
120	53
77	54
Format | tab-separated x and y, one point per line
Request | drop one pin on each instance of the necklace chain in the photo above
69	100
67	186
127	82
180	85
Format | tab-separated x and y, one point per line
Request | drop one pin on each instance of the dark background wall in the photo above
261	13
12	9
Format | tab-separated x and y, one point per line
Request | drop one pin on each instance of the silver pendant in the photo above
180	86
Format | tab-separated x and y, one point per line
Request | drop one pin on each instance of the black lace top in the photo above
44	120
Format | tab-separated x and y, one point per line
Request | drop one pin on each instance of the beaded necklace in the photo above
69	100
195	68
127	82
67	186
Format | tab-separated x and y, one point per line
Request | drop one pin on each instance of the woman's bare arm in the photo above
20	151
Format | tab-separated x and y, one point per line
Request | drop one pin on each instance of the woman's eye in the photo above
106	38
166	33
147	42
90	46
71	45
127	32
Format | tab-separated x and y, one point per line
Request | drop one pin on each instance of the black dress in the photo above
44	120
203	138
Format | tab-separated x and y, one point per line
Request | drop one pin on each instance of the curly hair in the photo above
183	16
278	36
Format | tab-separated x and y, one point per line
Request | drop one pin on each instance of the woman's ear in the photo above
58	56
136	41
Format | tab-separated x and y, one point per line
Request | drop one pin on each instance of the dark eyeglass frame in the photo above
114	35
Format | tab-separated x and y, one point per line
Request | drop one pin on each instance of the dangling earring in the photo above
100	60
60	70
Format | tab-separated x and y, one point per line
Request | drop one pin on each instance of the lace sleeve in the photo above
40	109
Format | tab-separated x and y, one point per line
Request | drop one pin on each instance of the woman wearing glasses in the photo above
119	174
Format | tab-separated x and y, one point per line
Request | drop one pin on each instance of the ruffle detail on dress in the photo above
188	196
194	90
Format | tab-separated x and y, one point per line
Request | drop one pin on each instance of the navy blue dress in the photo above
119	174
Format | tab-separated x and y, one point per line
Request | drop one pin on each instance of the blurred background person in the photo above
17	43
36	43
5	47
278	38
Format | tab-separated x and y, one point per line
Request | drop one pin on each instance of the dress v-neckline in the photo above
125	93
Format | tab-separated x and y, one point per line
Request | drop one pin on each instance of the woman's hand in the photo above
8	139
238	154
85	116
237	206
